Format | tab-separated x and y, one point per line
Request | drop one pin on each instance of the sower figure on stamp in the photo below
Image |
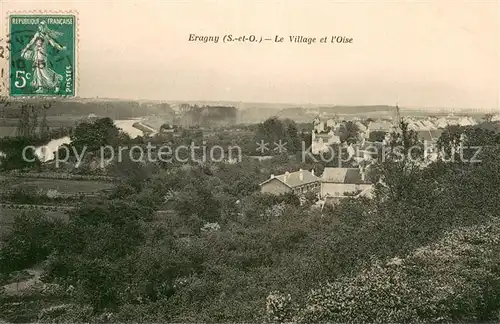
36	51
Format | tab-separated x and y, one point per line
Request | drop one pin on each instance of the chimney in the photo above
362	172
301	175
286	176
272	176
312	171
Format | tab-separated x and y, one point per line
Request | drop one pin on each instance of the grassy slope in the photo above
63	186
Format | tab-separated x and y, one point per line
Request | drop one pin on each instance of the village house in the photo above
343	182
429	136
363	130
428	124
467	121
171	130
298	182
364	151
145	129
441	123
451	119
380	126
92	117
320	142
419	125
167	128
319	126
413	125
331	123
324	134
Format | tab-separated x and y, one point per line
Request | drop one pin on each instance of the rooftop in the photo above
343	175
294	179
380	125
429	135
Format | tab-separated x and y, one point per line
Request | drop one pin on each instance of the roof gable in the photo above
293	179
342	175
380	125
429	135
274	180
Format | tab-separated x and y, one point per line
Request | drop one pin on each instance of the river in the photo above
46	152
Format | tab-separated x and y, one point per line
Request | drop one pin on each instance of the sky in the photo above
419	54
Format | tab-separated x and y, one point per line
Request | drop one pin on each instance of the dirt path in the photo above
17	288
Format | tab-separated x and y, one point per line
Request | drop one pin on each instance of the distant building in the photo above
428	124
167	128
467	121
319	127
298	182
364	151
441	123
324	134
146	129
453	120
170	129
92	116
429	135
380	126
363	130
321	142
331	123
342	182
413	125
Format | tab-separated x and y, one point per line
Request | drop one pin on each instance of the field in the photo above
8	126
52	121
7	131
63	186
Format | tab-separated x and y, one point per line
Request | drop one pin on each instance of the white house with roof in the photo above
428	124
453	120
413	125
319	127
298	182
321	142
380	126
365	151
465	121
363	130
429	136
343	182
331	123
441	123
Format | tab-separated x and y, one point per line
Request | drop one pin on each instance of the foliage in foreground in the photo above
454	279
426	249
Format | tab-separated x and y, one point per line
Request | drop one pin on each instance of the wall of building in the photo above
275	187
313	187
338	189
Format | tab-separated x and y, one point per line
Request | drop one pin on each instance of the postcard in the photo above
231	161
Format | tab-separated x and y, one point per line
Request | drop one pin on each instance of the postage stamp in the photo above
43	54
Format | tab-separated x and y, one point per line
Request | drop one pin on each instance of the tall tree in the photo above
349	132
93	135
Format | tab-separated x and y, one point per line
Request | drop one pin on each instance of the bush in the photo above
30	241
452	280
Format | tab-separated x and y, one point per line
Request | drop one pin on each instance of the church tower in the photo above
396	119
397	116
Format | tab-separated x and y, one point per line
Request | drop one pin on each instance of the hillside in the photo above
163	112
